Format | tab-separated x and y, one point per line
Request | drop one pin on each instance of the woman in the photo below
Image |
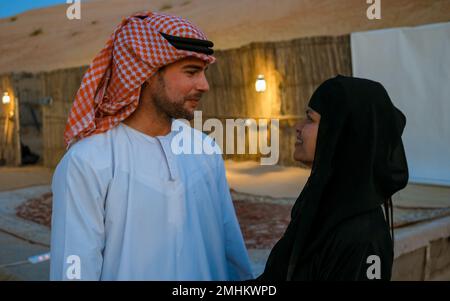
352	141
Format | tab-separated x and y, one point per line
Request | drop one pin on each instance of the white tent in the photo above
413	64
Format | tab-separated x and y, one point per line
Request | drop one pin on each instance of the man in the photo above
125	207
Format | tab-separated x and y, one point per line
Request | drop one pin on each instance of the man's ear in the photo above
149	81
144	88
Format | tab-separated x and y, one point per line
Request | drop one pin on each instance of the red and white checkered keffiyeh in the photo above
110	89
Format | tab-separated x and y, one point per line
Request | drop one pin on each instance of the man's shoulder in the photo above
94	150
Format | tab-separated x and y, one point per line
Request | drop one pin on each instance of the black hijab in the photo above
359	164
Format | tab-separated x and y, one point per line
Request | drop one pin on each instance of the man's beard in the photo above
173	109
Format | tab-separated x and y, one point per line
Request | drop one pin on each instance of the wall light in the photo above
260	84
6	99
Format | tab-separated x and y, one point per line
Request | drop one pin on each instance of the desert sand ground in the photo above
44	39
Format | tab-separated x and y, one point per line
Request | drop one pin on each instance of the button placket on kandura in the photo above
175	194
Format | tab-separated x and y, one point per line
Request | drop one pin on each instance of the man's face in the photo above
177	88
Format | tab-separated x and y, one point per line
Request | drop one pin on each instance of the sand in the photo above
64	43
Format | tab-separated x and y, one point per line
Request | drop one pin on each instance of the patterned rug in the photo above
263	220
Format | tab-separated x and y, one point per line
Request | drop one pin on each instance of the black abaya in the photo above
337	223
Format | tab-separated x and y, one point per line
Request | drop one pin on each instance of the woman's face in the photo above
305	145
